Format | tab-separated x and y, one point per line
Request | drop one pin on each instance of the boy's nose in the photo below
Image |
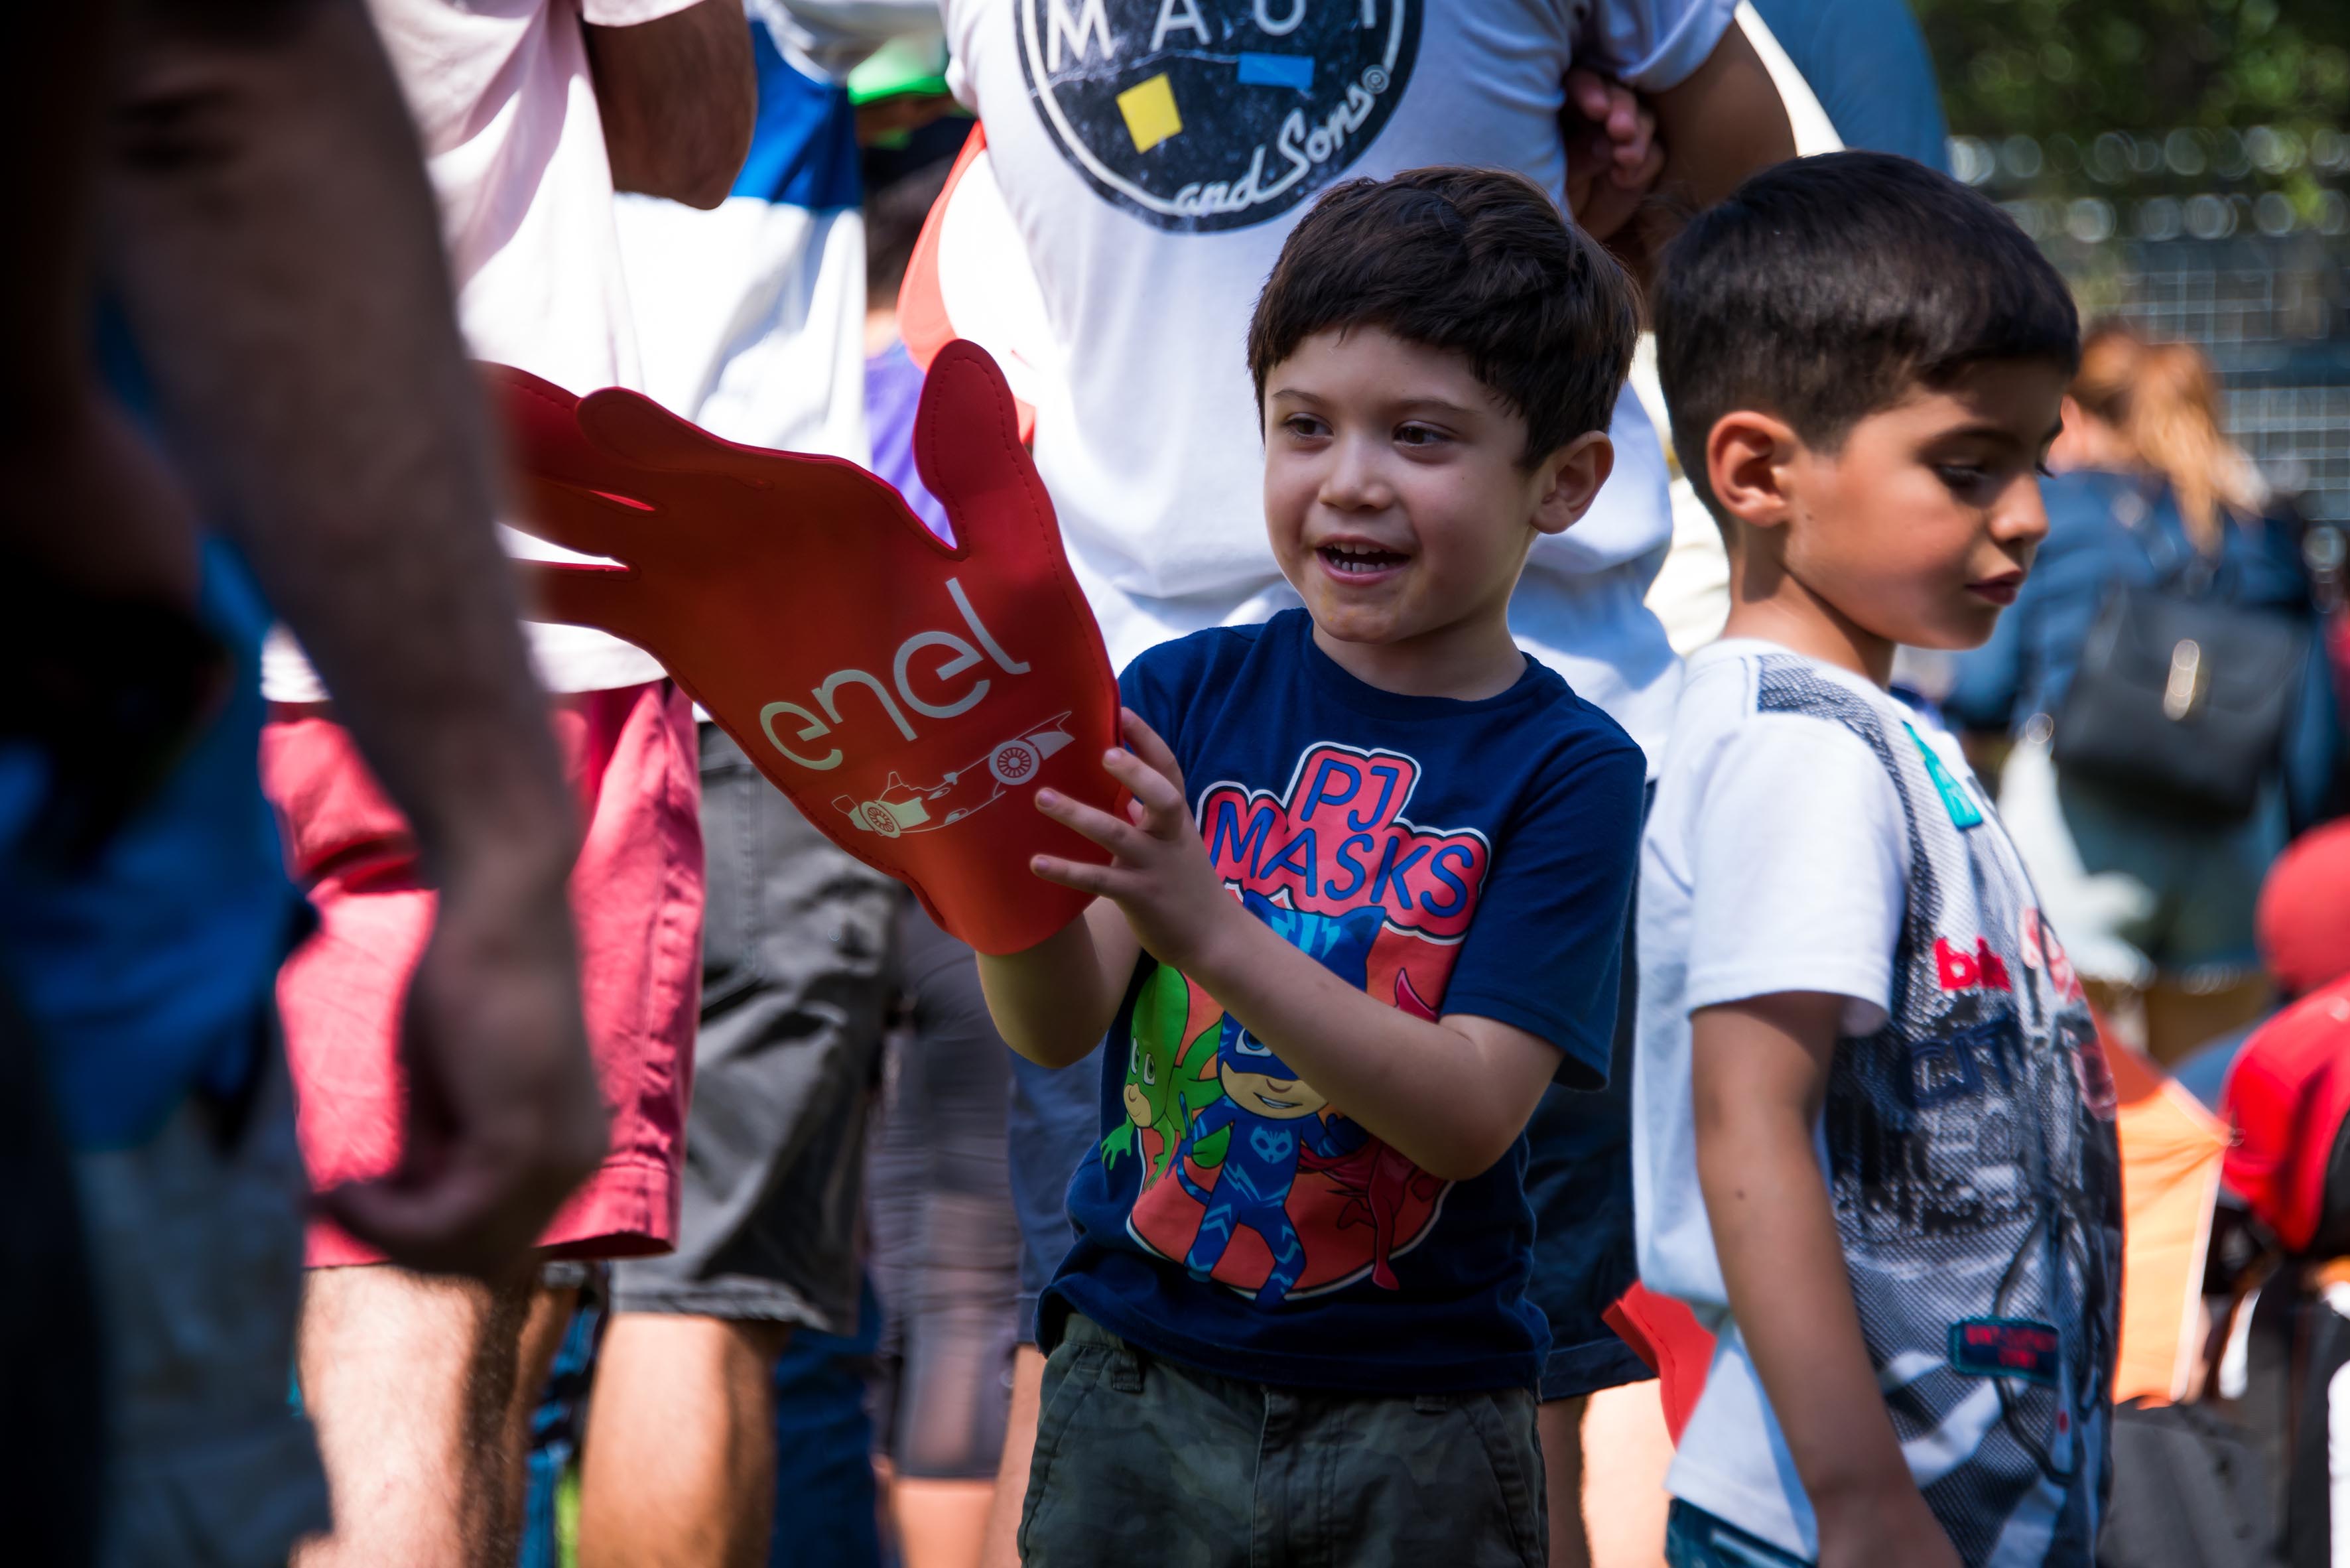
2021	516
1353	482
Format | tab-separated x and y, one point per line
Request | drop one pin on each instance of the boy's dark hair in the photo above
1823	290
1478	262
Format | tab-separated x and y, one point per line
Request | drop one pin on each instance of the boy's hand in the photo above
1885	1524
1160	876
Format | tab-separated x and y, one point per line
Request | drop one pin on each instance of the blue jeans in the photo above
1696	1539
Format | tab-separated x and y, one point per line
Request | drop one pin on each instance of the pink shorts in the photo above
635	897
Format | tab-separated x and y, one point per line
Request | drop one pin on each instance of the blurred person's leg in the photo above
679	1458
1626	1450
1560	1424
1054	1124
412	1379
1000	1548
941	1523
196	1245
414	1382
896	1177
955	1386
958	1314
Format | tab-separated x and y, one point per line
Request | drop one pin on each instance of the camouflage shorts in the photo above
1138	1460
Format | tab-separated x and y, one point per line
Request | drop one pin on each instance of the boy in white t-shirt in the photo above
1874	1143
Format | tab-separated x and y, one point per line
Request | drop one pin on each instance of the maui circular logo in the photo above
1200	115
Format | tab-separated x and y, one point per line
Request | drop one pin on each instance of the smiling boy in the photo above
1874	1142
1309	1340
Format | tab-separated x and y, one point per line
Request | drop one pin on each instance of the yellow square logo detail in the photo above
1150	113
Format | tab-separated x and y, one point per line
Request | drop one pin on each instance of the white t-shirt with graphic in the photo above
506	108
1154	155
1811	833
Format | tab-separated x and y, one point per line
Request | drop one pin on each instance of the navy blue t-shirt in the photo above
1447	857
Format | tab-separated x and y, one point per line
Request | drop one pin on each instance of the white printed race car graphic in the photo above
902	808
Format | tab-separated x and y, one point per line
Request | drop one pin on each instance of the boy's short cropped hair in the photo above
1477	261
1824	290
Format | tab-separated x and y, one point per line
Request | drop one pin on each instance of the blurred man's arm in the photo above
678	94
87	506
1723	123
269	228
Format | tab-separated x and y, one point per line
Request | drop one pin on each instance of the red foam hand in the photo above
1665	1335
909	697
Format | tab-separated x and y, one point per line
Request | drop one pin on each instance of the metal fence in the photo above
2272	312
2261	281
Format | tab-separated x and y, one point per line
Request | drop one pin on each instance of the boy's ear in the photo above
1747	456
1570	480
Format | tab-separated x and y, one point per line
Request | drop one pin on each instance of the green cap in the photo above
901	67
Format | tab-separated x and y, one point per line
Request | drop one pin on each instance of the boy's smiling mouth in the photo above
1359	560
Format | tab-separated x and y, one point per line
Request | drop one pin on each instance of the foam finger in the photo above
968	450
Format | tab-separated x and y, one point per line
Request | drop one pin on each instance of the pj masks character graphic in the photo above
1164	1089
1273	1115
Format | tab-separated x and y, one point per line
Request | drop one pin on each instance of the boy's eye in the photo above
1961	475
1418	435
1304	426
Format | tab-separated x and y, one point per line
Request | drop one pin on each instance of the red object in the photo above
636	907
2286	1097
1665	1334
923	324
922	320
2304	910
909	697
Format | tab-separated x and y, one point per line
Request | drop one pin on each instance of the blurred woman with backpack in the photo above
2169	703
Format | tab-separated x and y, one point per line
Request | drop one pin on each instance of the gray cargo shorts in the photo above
795	989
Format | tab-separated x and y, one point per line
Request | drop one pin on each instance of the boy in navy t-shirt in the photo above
1368	902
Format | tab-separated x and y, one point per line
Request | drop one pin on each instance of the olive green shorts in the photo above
1139	1461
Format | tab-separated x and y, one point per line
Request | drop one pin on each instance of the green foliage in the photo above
2040	67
